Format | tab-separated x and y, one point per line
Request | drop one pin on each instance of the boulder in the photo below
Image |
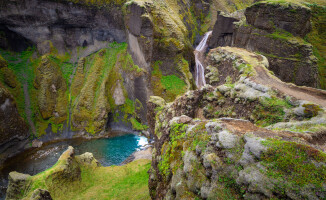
18	182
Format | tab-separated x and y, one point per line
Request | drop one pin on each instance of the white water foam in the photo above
200	70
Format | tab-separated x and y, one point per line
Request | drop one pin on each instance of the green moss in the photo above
317	37
172	149
270	111
169	87
22	65
294	163
94	183
173	84
3	62
280	34
136	125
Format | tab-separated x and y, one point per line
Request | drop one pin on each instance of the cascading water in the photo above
199	53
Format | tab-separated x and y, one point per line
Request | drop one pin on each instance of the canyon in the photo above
229	94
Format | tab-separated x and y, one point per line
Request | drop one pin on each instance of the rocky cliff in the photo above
242	138
78	176
284	39
91	66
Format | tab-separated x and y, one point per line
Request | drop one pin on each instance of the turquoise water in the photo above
108	151
112	151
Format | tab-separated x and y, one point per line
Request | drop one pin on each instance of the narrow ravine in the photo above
28	110
199	58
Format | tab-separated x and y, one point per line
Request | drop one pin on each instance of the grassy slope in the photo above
115	182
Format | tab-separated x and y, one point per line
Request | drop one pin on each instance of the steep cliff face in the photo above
89	79
276	30
14	131
63	24
207	146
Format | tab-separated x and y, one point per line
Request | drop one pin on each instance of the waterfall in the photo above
199	54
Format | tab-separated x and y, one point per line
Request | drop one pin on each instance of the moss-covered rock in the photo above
3	62
204	158
78	177
52	96
9	77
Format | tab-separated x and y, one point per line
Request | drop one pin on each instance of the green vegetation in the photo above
3	62
294	163
270	111
97	78
115	182
317	37
98	3
21	66
169	87
179	142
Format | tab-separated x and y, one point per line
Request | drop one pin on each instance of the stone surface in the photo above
40	194
65	24
14	130
17	182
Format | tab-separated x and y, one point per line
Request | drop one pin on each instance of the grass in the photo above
22	65
270	111
294	163
115	182
168	87
317	37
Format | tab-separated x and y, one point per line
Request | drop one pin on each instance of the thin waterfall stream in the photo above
199	57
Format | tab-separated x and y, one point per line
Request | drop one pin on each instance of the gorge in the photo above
162	99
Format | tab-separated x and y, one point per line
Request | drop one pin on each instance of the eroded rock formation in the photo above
207	146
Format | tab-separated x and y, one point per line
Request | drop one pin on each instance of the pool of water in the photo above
108	151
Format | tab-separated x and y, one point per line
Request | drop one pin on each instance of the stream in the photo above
108	151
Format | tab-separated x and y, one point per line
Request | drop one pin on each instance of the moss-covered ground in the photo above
295	163
115	182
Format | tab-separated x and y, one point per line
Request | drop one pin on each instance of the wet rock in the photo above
37	143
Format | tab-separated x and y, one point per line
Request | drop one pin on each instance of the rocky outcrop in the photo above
62	24
290	17
17	183
13	129
208	158
206	142
66	171
224	29
275	30
51	88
